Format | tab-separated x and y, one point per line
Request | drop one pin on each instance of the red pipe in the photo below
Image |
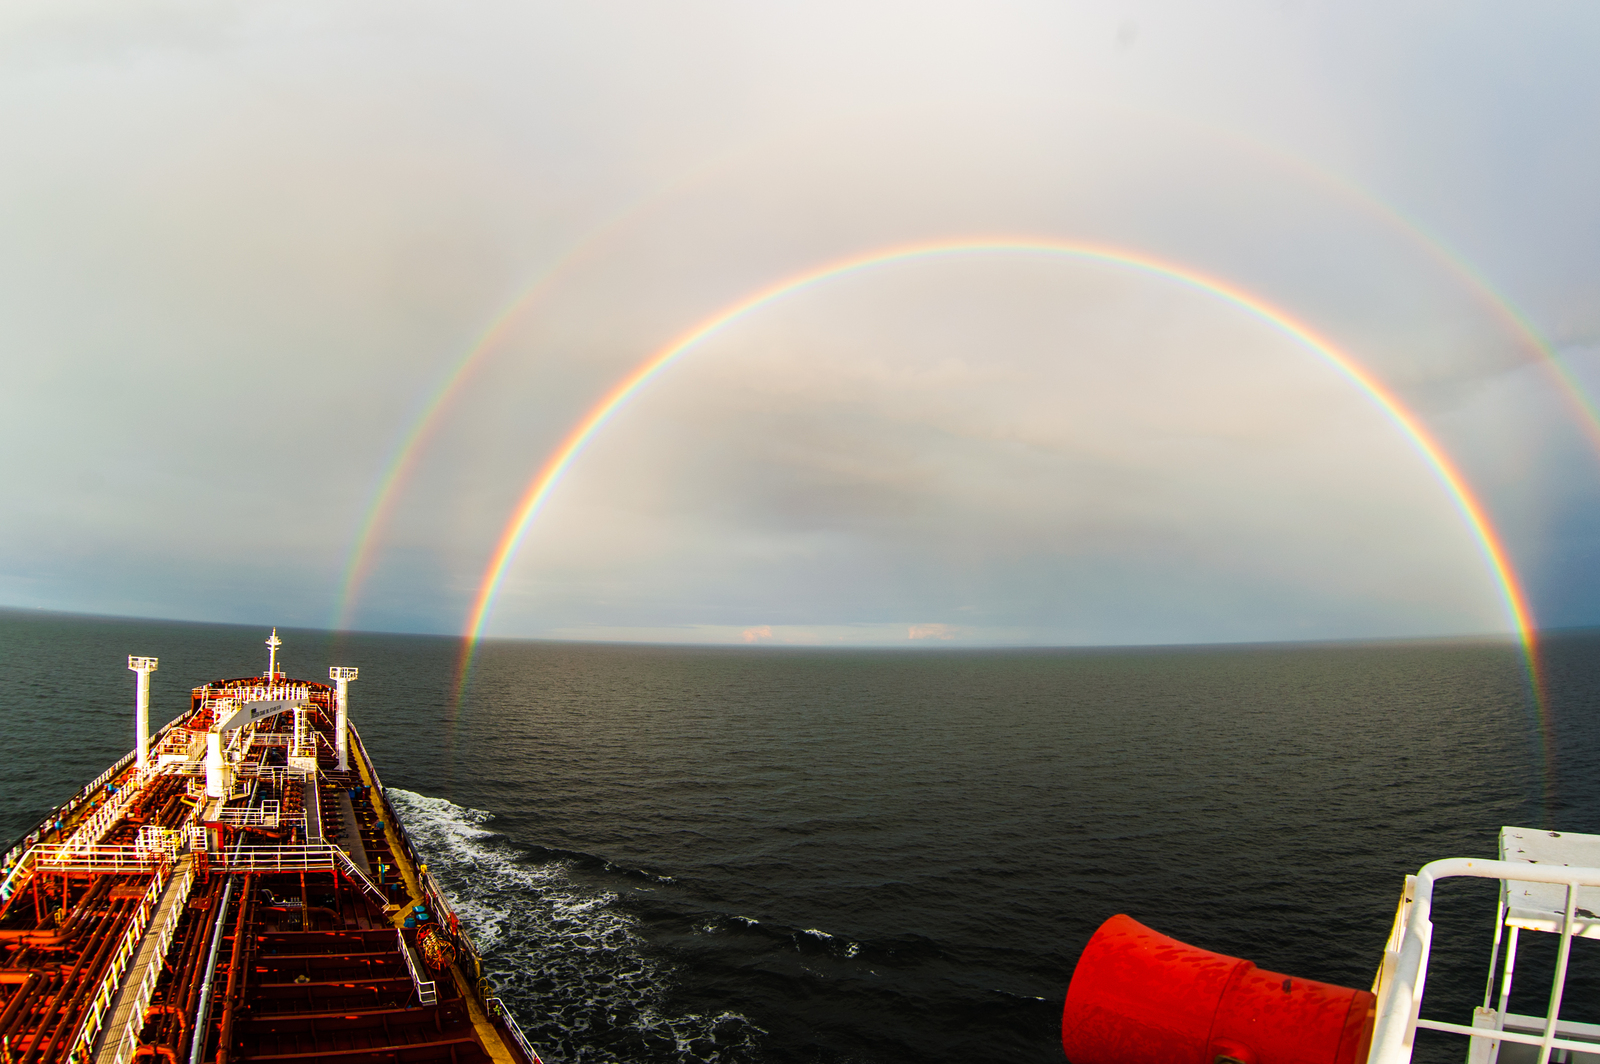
19	1001
78	1003
67	931
225	1035
67	984
169	1010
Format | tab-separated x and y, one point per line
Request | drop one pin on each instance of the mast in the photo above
342	675
272	655
141	708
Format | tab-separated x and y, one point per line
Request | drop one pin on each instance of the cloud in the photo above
292	222
931	631
752	635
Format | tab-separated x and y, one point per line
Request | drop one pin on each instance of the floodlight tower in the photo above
272	655
342	675
141	708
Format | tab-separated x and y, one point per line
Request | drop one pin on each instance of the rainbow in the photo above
403	459
412	441
1510	316
549	475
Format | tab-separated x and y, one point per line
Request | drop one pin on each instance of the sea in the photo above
774	854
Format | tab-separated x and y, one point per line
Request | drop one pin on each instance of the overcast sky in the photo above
242	245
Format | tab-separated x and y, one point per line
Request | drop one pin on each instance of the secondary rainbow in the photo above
551	472
1512	317
403	459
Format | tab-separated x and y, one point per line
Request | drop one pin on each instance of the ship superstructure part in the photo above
1139	996
237	889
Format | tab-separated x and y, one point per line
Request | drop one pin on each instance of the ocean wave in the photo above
566	958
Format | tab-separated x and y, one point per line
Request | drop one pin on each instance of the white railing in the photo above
1405	965
177	741
498	1010
353	871
54	858
263	815
126	950
427	991
23	867
282	858
13	857
102	820
261	692
185	768
277	775
156	840
128	1041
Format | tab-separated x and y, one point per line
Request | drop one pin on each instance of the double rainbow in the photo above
549	475
403	460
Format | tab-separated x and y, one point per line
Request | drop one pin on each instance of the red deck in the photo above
263	924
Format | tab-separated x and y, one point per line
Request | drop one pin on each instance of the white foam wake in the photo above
567	959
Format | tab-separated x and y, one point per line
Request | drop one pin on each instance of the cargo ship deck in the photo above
238	888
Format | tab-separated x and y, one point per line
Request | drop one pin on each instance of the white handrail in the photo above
55	858
353	871
126	949
310	858
515	1028
1400	1005
427	992
147	986
129	1039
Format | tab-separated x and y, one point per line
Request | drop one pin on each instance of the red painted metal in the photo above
1139	997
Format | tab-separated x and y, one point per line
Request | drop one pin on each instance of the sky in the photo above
297	300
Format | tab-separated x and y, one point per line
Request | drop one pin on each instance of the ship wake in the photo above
568	960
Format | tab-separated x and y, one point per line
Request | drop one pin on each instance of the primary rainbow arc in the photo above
550	473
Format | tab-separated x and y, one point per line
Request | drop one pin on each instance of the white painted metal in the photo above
218	781
141	711
341	675
253	711
498	1010
273	644
427	989
1539	906
349	868
202	1014
127	1041
1526	891
267	815
51	858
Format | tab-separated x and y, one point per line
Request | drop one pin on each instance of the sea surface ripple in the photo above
794	855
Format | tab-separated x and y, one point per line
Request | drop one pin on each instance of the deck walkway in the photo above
352	833
313	802
152	951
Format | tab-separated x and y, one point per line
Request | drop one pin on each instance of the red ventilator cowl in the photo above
1139	997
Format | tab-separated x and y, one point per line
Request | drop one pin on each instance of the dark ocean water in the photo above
762	854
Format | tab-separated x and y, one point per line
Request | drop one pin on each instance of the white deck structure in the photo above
1550	883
